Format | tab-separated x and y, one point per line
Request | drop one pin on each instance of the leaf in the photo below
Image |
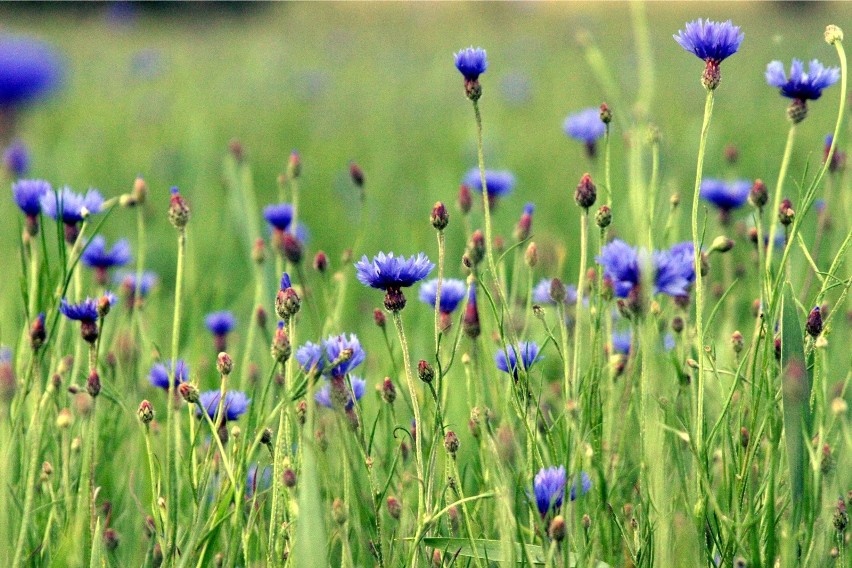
309	548
492	550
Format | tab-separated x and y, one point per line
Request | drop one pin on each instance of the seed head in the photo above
603	218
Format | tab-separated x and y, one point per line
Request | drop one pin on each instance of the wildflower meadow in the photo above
353	284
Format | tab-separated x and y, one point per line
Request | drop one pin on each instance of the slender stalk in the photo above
607	168
567	391
776	199
438	295
581	284
699	284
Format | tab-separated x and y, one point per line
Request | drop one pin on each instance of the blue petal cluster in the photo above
541	292
97	256
675	269
323	395
549	488
620	262
725	195
528	351
220	323
159	375
310	357
800	85
235	405
252	483
621	341
471	62
16	158
500	182
585	486
29	69
585	125
387	271
127	280
453	292
279	216
319	357
28	194
709	40
72	204
87	310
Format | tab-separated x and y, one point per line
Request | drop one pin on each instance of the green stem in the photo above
581	284
172	422
776	199
438	297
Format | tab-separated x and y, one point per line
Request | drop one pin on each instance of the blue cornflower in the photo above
334	346
621	341
16	158
279	216
236	403
709	40
97	256
126	279
73	205
620	262
310	357
359	387
585	126
541	292
85	311
392	273
28	194
529	208
725	195
669	342
28	69
549	488
500	182
220	323
159	375
800	85
674	270
453	292
529	354
471	62
585	486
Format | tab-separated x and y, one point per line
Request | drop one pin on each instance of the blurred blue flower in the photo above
159	375
28	194
541	292
97	256
668	342
220	323
549	488
334	346
387	271
800	85
725	195
235	405
585	486
73	204
621	341
127	280
252	483
585	125
16	158
86	311
29	69
453	292
709	40
528	351
620	262
500	182
310	357
674	269
323	395
471	62
279	215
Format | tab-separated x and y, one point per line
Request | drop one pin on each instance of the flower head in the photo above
126	279
621	341
620	262
97	256
323	395
585	125
585	484
310	357
29	69
709	40
725	195
387	271
541	292
74	205
800	85
499	182
159	375
236	403
674	269
279	216
85	311
453	292
549	487
16	158
528	351
28	194
220	323
471	62
334	347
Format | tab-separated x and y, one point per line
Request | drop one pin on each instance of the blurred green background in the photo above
160	90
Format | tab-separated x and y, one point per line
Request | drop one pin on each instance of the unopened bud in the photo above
586	192
321	262
814	323
178	210
531	255
785	212
388	391
557	291
394	507
294	165
145	412
425	371
140	190
451	443
281	348
721	244
357	174
379	317
605	113
338	511
224	364
737	341
758	195
465	201
556	530
439	218
603	218
93	384
188	392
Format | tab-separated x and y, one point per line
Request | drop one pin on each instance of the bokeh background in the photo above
161	89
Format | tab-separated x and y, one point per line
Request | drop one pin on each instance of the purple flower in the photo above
620	262
725	195
323	395
499	182
73	205
669	342
28	194
389	272
334	346
220	323
279	216
29	69
585	125
97	256
127	280
549	488
159	375
585	486
674	270
452	293
310	357
709	40
541	292
621	341
800	85
471	62
529	354
85	311
17	159
236	403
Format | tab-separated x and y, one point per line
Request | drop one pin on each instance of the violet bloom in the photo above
324	396
620	262
28	194
801	86
16	158
235	405
712	42
220	324
471	63
392	273
159	375
499	183
29	69
97	257
453	291
725	196
71	208
541	292
585	126
549	488
529	354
